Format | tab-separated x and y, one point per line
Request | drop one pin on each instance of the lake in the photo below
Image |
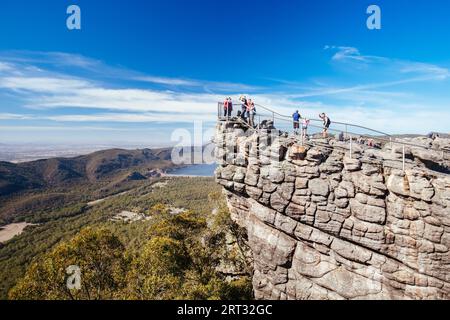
198	170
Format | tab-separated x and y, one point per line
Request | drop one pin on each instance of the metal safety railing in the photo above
347	129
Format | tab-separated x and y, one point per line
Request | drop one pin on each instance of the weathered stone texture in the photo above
322	225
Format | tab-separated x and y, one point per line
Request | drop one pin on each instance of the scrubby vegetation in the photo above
197	254
97	252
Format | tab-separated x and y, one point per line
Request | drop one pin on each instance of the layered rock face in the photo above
324	225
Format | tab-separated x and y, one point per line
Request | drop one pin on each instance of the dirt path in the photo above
11	230
95	202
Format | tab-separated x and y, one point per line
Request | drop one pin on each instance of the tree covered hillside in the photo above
175	240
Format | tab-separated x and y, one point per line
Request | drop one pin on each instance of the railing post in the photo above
273	117
403	158
302	133
346	132
351	146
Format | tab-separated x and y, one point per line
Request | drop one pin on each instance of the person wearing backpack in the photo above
326	124
243	100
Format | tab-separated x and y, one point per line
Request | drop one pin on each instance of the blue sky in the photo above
138	70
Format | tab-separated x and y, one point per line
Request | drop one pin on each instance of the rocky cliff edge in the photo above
326	224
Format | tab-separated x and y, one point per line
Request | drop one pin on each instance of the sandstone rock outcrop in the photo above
324	224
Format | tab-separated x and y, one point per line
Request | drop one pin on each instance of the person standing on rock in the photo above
251	112
296	121
326	124
305	124
229	109
225	108
243	99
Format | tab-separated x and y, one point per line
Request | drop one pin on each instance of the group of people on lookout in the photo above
298	119
248	111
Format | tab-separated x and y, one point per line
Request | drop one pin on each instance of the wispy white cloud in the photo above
43	89
134	117
62	128
46	58
330	90
44	82
135	100
434	71
14	116
69	62
396	72
169	81
347	53
354	57
5	66
39	88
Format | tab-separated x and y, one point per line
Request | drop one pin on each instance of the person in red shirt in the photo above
227	107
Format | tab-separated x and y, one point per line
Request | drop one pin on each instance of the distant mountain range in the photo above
110	164
18	153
